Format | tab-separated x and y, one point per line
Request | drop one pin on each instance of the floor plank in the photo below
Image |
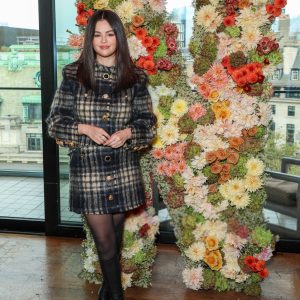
42	268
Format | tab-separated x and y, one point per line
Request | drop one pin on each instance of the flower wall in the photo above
207	158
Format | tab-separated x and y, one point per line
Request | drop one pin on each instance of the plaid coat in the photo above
102	179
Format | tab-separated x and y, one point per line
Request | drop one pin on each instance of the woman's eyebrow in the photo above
105	31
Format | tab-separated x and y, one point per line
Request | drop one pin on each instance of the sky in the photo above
24	13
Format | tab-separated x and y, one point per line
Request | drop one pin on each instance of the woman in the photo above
103	113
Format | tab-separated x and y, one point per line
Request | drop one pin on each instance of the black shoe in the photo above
103	293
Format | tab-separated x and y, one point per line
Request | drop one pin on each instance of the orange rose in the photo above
132	28
236	142
252	131
224	177
223	114
221	154
212	188
233	157
211	243
243	3
216	168
210	157
137	20
226	168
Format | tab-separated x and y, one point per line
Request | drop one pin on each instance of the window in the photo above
295	75
291	111
32	112
290	133
272	127
273	108
276	94
276	75
34	142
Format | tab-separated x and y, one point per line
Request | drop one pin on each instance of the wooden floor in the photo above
42	268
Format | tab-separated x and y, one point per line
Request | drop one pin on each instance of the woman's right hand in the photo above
97	134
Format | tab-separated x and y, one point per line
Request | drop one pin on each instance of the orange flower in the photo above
236	142
157	153
211	243
132	28
210	156
226	168
137	20
221	154
152	71
223	114
151	50
260	265
264	273
81	19
147	41
140	62
233	157
203	89
224	177
250	260
212	188
252	131
243	3
149	64
155	41
216	168
213	259
141	33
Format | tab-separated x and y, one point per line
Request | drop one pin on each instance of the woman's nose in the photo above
103	39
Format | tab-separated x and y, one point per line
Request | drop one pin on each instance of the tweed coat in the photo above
102	179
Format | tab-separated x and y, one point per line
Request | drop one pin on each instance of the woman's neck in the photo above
107	61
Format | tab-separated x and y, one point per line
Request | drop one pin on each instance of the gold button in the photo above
105	75
110	197
105	96
109	177
107	158
105	117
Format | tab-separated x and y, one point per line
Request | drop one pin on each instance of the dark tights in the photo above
107	231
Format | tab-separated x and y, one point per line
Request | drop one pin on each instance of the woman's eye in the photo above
111	34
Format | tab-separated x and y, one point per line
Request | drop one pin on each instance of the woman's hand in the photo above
118	138
97	134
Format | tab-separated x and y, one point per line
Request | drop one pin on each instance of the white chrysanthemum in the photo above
136	47
252	183
250	38
259	2
179	107
131	224
125	11
235	187
196	251
193	278
255	167
242	277
173	121
265	113
234	241
126	280
208	17
138	4
88	265
247	121
249	19
216	228
224	191
169	134
240	200
199	162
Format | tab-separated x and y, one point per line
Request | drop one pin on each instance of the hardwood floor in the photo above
42	268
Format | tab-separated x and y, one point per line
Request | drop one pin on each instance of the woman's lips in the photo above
104	47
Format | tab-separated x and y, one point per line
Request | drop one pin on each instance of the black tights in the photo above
107	231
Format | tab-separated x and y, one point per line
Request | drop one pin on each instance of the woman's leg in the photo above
119	220
103	230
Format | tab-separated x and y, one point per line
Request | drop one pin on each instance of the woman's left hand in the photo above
118	139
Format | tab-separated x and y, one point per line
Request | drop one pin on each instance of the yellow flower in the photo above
255	167
235	187
214	259
157	143
99	4
214	96
179	107
125	11
211	243
252	183
223	114
240	200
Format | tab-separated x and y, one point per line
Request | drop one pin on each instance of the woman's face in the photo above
105	43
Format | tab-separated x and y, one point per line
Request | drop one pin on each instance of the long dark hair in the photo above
126	74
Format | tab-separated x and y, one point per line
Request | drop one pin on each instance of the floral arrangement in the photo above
209	152
207	158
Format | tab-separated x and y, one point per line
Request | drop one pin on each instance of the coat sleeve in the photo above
143	119
62	125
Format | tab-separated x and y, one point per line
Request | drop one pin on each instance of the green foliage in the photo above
201	64
214	198
186	124
261	236
257	199
252	289
237	59
161	50
209	279
233	31
221	283
113	3
239	170
129	239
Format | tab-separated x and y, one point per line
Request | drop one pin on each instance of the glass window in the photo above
276	74
273	108
291	111
34	142
272	127
290	133
295	75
